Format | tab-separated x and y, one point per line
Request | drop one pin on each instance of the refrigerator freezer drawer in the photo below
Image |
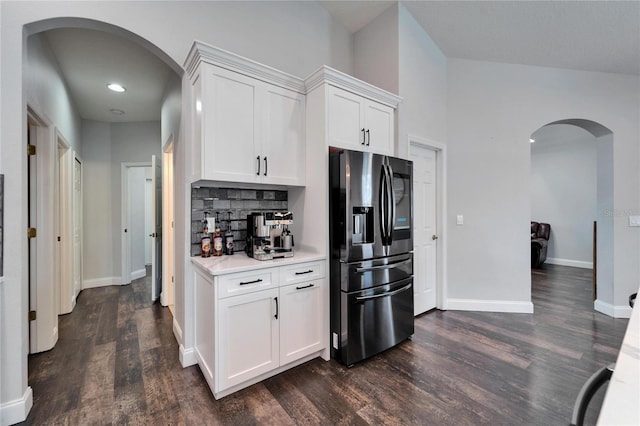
365	274
375	320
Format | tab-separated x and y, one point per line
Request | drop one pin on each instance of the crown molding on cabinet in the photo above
339	79
202	52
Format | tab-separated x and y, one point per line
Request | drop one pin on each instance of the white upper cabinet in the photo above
359	116
358	123
249	120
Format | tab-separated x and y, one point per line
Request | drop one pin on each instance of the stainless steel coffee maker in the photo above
268	235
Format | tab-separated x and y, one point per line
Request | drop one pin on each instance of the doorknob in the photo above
434	237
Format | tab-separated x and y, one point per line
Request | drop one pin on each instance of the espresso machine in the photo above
268	235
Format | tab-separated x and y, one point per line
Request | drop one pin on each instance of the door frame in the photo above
125	240
78	159
64	223
441	212
44	283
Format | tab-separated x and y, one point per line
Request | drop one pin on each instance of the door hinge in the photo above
58	238
171	278
171	224
32	315
31	233
31	149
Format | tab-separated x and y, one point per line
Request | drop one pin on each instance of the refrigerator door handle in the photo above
383	205
392	204
386	266
390	293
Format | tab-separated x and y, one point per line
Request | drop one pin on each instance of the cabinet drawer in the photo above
246	282
301	272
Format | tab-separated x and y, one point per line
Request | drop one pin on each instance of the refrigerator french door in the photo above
371	253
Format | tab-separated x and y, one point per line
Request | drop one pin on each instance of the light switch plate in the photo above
459	219
634	220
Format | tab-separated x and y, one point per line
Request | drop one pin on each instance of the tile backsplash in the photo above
240	202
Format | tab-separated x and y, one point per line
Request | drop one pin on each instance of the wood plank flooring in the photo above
116	362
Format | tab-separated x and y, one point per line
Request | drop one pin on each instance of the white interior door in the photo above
425	237
167	228
156	226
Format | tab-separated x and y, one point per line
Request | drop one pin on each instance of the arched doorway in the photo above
577	176
55	102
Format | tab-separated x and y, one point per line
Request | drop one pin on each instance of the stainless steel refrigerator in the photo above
371	271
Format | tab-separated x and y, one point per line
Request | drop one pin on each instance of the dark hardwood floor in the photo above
116	362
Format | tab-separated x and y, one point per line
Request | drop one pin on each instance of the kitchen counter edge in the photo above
240	262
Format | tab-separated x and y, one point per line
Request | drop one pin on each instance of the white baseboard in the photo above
568	262
101	282
177	331
187	357
16	411
614	311
141	273
489	306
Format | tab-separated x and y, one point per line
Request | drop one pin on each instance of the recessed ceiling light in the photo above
116	87
116	111
531	140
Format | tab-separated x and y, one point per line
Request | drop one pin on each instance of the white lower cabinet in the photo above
248	336
300	324
252	325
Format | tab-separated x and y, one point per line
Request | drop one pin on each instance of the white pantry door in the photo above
425	238
156	229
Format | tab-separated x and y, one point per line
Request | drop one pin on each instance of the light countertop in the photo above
621	402
240	262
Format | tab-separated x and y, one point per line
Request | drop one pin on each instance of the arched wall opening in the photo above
170	121
596	205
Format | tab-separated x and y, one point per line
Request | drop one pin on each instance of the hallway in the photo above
117	363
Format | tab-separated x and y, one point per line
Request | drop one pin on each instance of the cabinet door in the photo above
379	125
282	141
247	336
346	119
301	320
230	126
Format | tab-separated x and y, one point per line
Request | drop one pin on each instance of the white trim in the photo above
507	306
16	411
177	331
140	273
568	262
201	52
64	224
344	81
187	357
101	282
441	214
615	311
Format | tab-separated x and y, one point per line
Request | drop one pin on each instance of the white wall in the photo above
564	191
423	85
394	53
147	216
375	51
47	92
492	110
107	146
98	236
296	37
